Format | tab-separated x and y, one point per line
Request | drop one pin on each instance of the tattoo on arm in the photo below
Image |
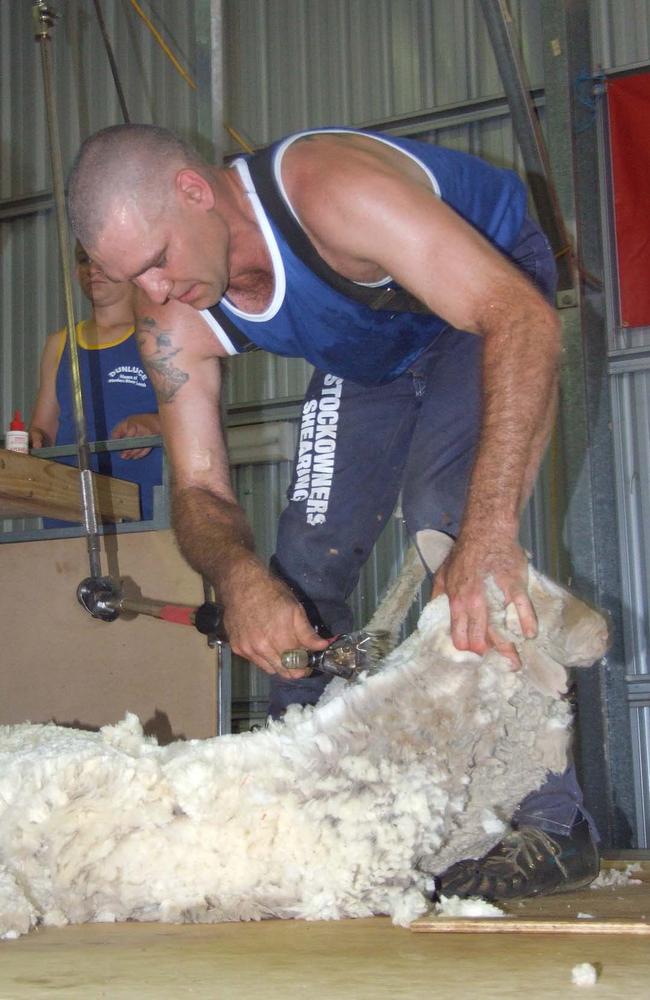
158	351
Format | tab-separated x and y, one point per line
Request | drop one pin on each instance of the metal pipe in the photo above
223	666
224	689
111	60
530	138
43	21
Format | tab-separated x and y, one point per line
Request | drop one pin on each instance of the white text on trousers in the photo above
315	466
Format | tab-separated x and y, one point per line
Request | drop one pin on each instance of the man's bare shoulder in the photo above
327	161
352	193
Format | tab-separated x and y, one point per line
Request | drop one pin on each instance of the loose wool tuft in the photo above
344	810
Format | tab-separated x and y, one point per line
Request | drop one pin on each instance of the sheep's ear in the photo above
542	671
548	599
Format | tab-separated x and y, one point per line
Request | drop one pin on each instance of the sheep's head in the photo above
571	633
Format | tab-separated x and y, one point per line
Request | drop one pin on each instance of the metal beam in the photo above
469	112
604	758
28	204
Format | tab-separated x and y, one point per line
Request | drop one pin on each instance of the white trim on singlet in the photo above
279	277
277	171
219	331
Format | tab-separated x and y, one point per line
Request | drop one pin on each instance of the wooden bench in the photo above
38	487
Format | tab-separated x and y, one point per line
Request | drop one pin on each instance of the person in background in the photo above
119	400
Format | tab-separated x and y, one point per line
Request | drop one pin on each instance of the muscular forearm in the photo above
519	400
215	538
519	397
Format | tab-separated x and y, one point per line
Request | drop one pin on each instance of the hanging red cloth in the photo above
629	127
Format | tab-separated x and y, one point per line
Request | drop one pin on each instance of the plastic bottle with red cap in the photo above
17	438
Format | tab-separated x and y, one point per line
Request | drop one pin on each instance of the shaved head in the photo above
125	163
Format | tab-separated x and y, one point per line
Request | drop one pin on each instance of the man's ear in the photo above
194	189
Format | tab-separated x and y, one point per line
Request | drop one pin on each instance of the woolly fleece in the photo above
345	810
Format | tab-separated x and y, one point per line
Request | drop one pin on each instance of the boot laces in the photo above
522	849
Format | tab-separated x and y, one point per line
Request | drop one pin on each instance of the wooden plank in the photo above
613	910
523	925
38	487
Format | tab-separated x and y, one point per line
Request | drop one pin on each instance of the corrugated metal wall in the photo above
621	35
297	63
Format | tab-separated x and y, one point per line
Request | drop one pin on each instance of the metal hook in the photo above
43	16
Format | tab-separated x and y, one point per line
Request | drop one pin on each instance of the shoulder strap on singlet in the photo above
239	340
383	298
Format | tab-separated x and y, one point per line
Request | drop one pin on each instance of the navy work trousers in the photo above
359	447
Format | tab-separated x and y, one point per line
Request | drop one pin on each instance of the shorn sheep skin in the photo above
344	810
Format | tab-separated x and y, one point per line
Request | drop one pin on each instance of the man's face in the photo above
179	253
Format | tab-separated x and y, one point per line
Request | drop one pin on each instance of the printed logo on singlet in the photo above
316	451
128	375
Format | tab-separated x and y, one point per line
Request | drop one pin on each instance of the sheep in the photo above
347	809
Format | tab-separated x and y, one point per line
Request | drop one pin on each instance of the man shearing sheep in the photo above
412	279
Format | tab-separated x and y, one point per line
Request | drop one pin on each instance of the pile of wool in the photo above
344	810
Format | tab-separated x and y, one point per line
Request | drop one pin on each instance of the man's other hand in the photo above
463	578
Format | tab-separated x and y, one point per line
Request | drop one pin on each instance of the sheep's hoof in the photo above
527	862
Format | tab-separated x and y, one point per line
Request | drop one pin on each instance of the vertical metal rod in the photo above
111	60
223	692
219	679
529	134
209	30
224	689
217	78
43	20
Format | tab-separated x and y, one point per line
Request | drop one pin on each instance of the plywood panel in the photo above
59	663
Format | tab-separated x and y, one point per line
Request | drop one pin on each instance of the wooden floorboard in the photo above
345	960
